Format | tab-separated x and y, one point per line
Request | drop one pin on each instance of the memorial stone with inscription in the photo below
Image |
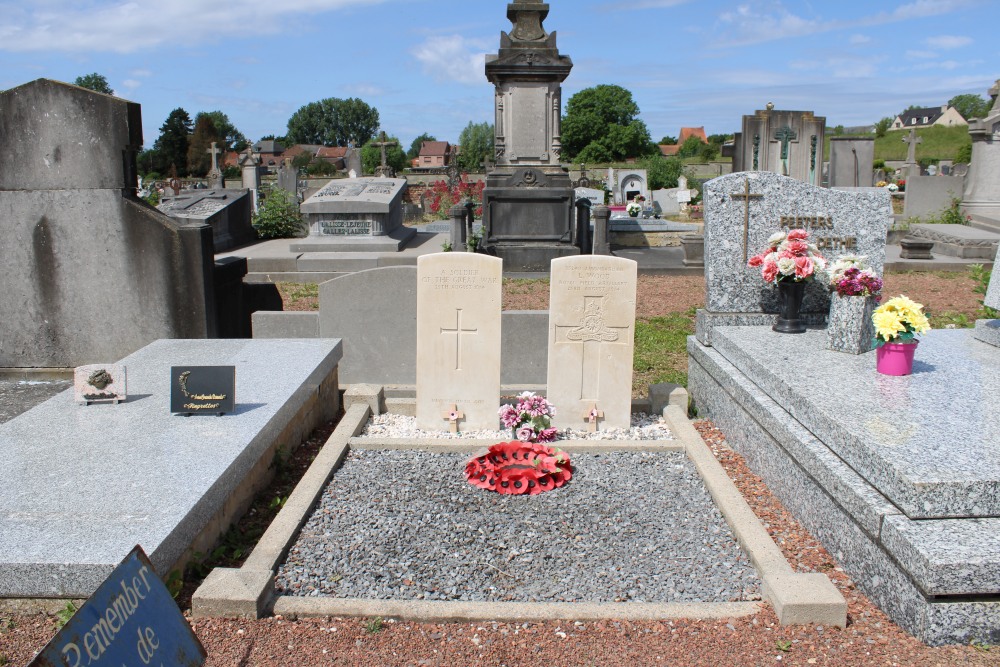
743	209
357	207
458	341
591	341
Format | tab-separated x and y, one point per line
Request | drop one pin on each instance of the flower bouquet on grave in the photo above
634	208
855	292
897	323
530	420
788	263
519	468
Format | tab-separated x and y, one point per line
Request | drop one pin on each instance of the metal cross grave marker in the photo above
785	135
746	197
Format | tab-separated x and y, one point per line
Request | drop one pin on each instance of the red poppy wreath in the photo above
518	467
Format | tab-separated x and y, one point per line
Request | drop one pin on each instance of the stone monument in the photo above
458	341
528	203
229	212
988	331
742	210
851	161
216	179
911	168
982	188
591	341
789	143
250	168
356	215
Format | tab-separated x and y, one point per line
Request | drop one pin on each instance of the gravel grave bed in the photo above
629	526
386	425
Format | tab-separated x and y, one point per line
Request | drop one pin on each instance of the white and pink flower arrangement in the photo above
530	420
789	258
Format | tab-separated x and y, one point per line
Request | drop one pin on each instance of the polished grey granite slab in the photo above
929	442
988	331
81	485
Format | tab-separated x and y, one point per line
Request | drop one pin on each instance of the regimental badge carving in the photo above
100	379
593	327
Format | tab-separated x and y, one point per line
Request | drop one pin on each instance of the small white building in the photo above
943	115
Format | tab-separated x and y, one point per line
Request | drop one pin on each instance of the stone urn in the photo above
849	327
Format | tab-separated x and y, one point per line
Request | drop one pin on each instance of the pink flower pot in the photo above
895	358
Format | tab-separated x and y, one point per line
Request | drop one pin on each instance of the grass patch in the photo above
524	285
661	350
299	296
939	143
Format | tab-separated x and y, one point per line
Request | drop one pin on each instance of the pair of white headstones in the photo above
590	341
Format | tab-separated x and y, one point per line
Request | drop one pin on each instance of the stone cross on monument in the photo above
384	170
215	176
911	153
785	135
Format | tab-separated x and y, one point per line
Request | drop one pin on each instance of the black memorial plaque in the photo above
202	389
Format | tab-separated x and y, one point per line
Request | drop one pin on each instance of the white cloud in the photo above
924	55
131	84
948	41
453	58
141	73
122	26
860	39
365	89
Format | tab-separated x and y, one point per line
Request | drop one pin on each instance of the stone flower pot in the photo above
850	328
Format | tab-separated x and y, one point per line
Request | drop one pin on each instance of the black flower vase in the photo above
790	301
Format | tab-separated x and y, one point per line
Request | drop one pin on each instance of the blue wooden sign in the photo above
129	620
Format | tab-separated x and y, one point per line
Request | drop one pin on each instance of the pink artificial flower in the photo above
798	235
797	248
525	434
770	271
756	261
547	434
803	267
785	254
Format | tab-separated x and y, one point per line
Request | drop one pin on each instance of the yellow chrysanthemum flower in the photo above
888	325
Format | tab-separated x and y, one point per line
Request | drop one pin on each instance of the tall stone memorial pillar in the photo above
982	187
528	200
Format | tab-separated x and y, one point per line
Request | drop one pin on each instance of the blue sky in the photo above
420	62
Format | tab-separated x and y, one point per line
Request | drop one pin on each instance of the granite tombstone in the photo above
359	214
742	210
458	341
228	212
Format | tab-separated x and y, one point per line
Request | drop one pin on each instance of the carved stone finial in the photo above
770	106
527	17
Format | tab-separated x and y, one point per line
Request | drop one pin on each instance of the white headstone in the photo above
591	340
458	341
595	196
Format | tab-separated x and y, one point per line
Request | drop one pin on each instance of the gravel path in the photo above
632	526
644	427
17	396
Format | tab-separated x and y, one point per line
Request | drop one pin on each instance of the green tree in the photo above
199	162
663	172
970	106
172	144
708	152
371	156
233	139
278	217
691	147
964	153
883	125
417	143
95	82
719	139
333	122
476	146
607	116
668	141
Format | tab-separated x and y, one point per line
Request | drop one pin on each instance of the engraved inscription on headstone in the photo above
458	340
591	339
345	227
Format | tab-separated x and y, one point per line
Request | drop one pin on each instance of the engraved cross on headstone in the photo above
911	152
458	332
214	151
785	135
746	197
384	170
591	333
591	416
452	414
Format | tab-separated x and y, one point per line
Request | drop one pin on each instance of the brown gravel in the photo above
870	638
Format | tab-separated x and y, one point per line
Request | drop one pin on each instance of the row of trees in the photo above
183	145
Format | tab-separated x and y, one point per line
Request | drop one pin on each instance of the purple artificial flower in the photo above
525	434
547	434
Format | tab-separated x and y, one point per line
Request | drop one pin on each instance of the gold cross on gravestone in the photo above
591	416
453	415
746	197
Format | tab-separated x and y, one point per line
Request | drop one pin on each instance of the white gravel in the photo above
644	427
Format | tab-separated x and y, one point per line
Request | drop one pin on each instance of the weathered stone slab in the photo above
737	227
345	210
591	340
229	213
82	485
458	340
